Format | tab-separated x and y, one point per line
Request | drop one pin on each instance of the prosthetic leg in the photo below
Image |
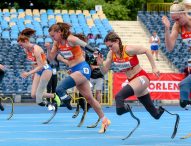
81	101
157	113
95	124
128	108
83	117
52	106
54	110
76	113
12	106
176	122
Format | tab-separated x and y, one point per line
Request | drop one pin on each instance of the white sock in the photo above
64	97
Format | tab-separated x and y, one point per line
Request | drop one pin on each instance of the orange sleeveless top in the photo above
70	52
31	57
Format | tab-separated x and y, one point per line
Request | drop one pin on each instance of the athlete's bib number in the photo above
66	54
86	70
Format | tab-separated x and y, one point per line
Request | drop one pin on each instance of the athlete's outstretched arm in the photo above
136	50
76	41
170	37
51	53
105	65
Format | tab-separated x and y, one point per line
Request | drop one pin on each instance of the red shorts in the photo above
141	73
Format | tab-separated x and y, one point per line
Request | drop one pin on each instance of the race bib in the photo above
86	70
66	54
122	66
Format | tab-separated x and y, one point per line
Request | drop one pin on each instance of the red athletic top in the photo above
186	37
125	63
70	52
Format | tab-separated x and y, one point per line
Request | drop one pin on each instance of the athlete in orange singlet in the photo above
42	71
69	46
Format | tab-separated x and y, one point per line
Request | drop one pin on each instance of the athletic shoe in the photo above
187	107
57	99
105	123
76	112
184	103
67	101
1	107
44	102
51	107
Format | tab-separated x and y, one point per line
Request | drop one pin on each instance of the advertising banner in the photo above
165	87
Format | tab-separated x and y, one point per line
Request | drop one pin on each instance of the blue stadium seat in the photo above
91	42
152	21
92	12
14	57
4	25
48	40
40	41
5	35
50	12
99	42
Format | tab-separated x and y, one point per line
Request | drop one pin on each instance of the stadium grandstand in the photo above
136	29
83	21
14	21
